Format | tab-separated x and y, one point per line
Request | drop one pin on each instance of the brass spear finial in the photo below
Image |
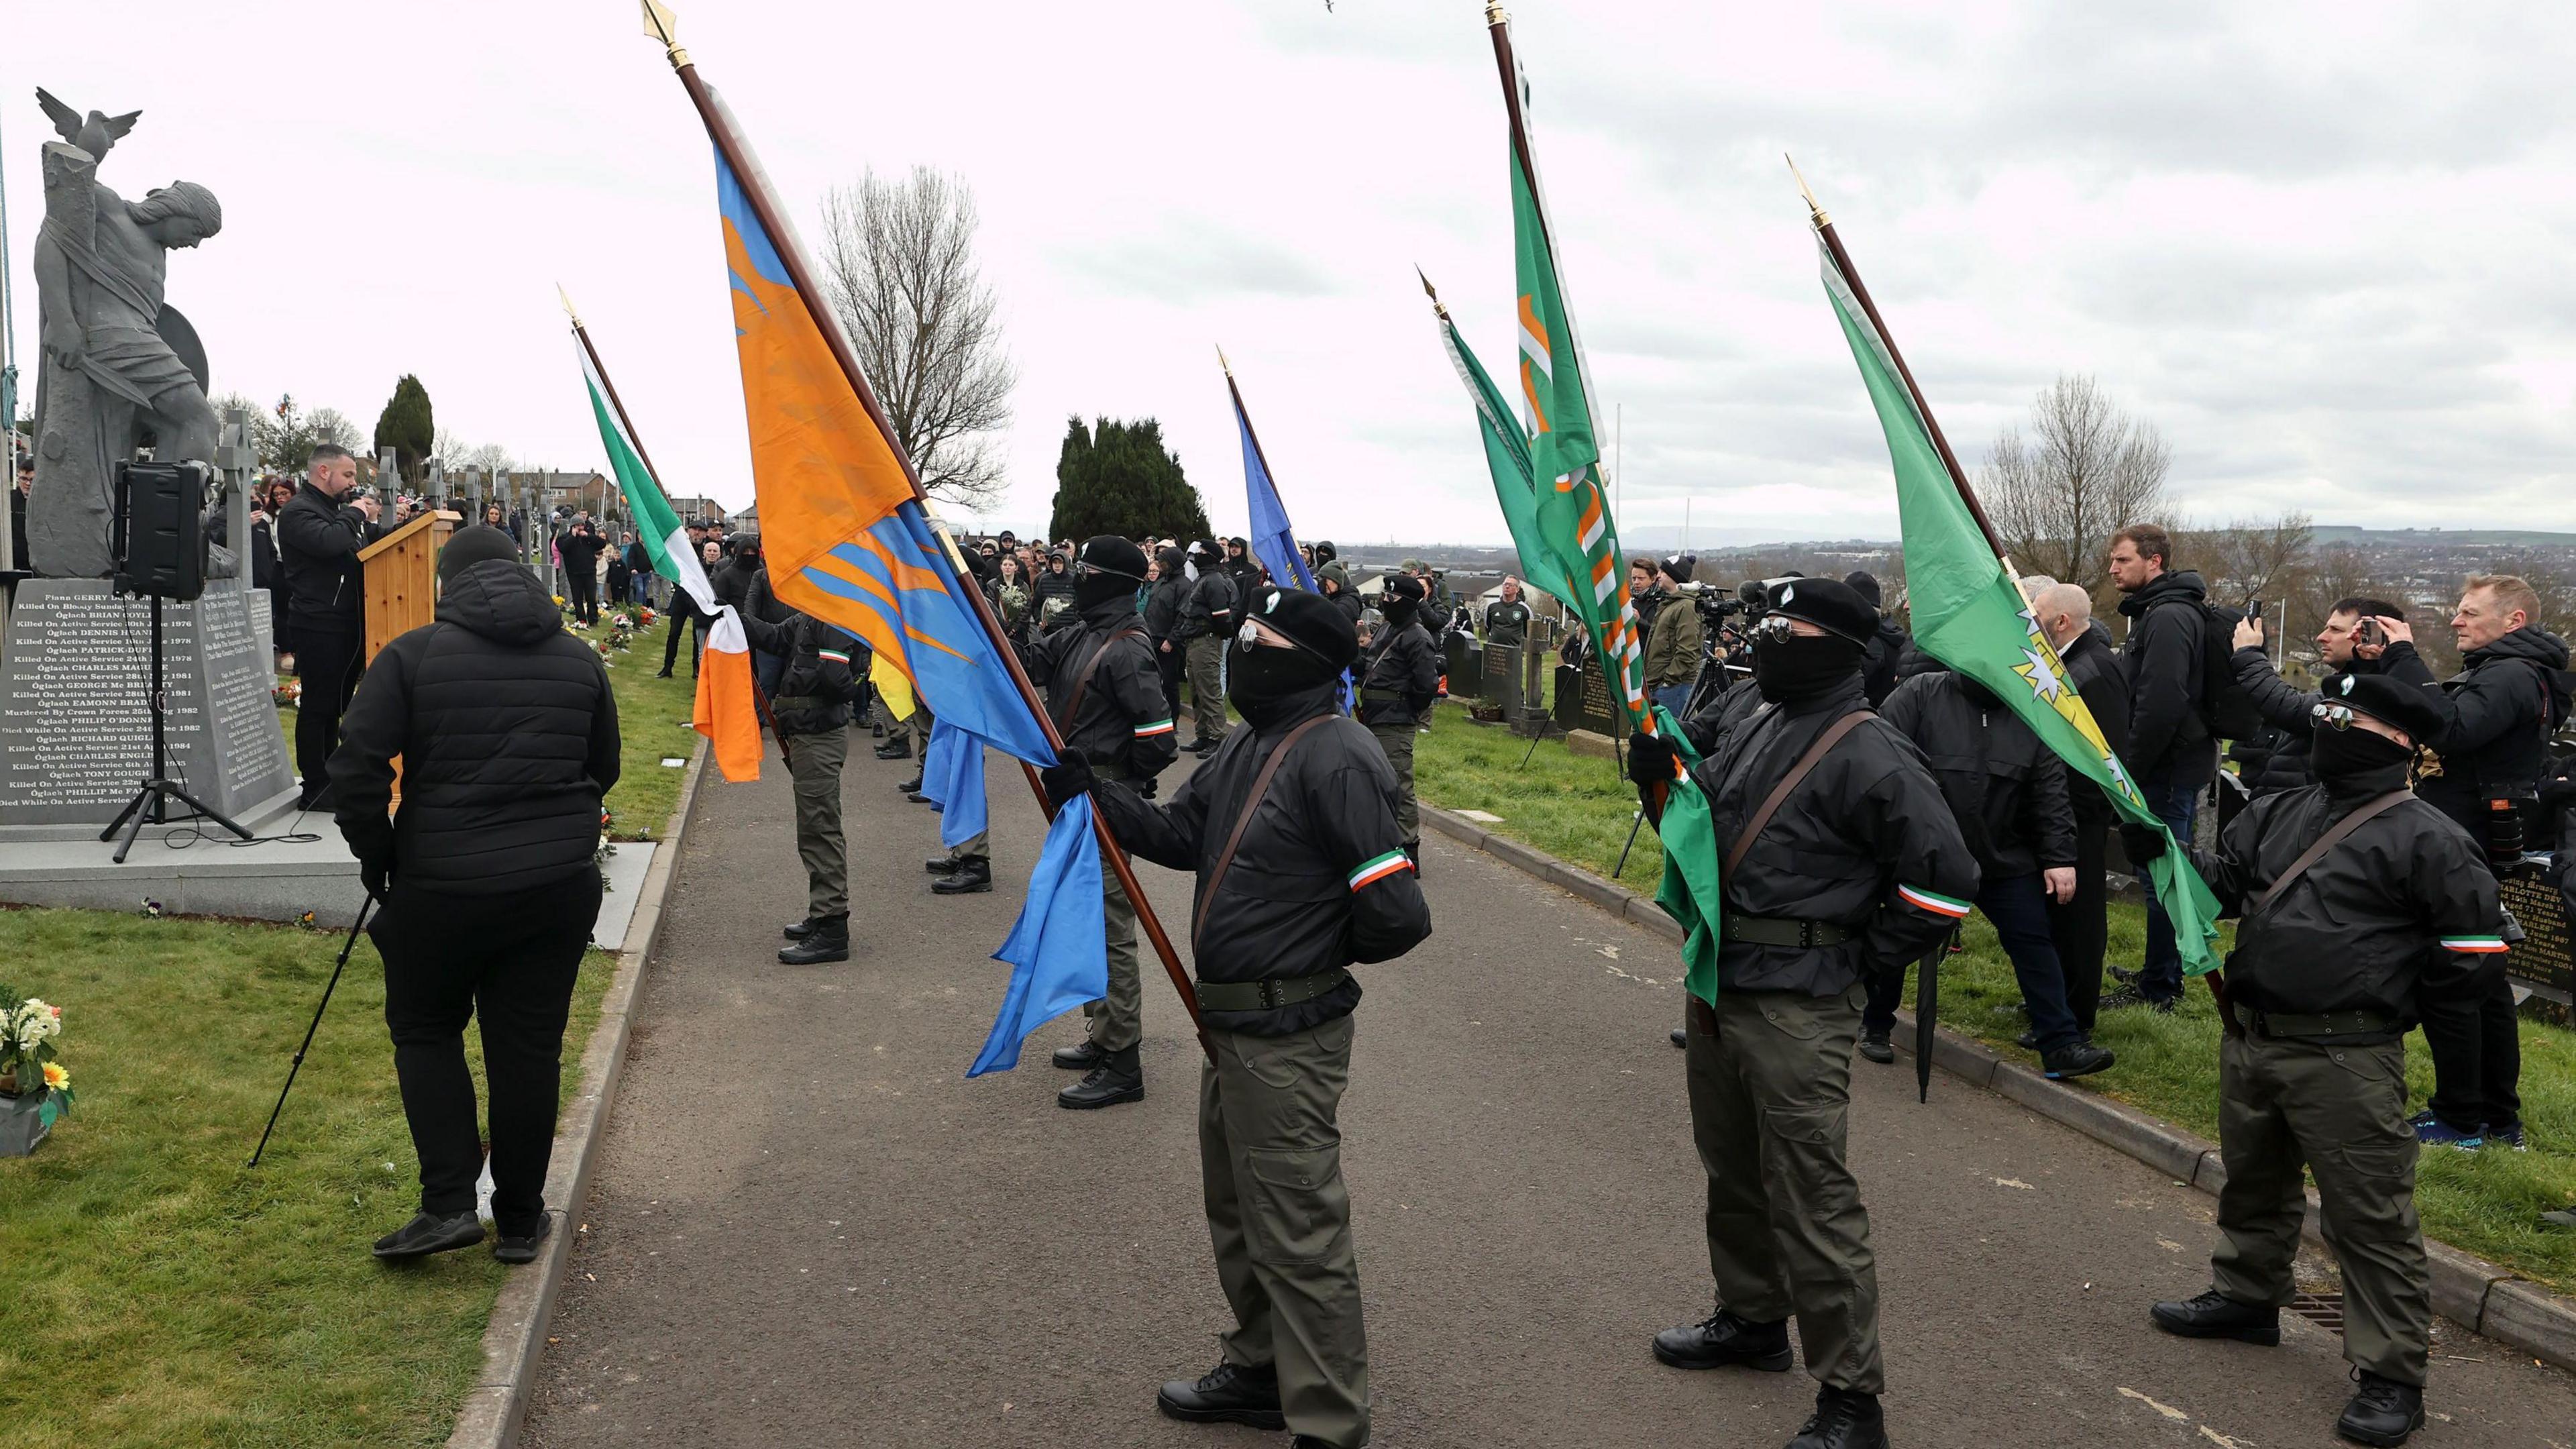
1429	291
1815	212
662	25
566	298
1221	362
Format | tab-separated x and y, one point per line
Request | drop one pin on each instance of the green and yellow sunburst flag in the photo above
1968	609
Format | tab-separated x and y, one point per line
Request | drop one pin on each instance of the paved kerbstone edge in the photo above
2483	1297
515	1338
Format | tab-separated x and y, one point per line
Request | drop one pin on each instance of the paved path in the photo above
809	1229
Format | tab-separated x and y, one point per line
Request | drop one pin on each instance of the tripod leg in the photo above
134	826
1536	735
132	807
208	812
298	1064
1633	826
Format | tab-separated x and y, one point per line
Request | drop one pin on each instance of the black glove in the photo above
375	872
2142	843
1650	759
1065	781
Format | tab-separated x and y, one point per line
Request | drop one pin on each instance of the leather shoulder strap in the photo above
1797	775
1090	667
1243	822
2326	842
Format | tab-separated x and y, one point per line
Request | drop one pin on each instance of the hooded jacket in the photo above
1399	677
2497	716
2007	791
1055	581
1878	663
507	734
1319	880
1125	723
2169	743
1163	602
2364	929
732	583
1673	644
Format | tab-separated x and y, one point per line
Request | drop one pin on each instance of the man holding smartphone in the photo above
2347	642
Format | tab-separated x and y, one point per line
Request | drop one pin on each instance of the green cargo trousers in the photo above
1397	741
1118	1019
814	763
1270	1161
1770	1098
1207	687
2340	1111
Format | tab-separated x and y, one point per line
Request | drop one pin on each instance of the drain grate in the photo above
2322	1309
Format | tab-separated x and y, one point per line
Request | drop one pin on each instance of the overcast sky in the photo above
2325	247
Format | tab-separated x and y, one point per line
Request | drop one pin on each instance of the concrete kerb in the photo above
514	1339
2481	1296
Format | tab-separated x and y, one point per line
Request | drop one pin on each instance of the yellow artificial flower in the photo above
55	1077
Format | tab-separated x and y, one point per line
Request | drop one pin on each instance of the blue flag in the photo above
1273	541
952	777
1057	960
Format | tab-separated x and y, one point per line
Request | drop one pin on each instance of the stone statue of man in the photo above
109	369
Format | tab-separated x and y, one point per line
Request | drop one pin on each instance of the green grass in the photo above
160	1294
2486	1203
652	715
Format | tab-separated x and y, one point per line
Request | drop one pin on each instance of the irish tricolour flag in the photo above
726	713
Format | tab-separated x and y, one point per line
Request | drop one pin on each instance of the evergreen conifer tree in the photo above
1117	477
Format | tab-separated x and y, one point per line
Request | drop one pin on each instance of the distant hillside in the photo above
2443	537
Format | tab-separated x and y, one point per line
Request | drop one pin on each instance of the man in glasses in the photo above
2339	951
1291	828
1105	693
2346	643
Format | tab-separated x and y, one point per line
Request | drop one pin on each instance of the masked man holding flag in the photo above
1301	872
1842	860
1105	691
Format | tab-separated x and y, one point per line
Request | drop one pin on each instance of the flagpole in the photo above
601	368
755	190
1833	241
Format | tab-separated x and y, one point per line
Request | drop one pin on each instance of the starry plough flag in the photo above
1969	614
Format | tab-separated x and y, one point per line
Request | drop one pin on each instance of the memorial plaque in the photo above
75	723
1583	702
2543	956
1502	679
1461	661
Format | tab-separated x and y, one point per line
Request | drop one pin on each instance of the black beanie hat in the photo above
1116	555
1863	584
1680	566
467	547
1311	620
1170	558
1836	608
2408	707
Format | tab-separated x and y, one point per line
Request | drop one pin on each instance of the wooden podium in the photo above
402	578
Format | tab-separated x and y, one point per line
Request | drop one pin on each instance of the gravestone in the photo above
1502	681
75	723
1460	660
1583	702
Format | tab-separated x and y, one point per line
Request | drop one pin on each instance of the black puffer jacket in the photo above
507	734
2006	790
2169	743
2497	716
1845	848
317	550
1124	722
1288	906
2362	929
1725	709
732	583
1399	677
1053	583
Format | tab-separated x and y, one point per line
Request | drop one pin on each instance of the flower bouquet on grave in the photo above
287	693
607	847
644	618
35	1088
621	632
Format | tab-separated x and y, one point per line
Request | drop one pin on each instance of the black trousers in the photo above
509	960
2082	926
1171	663
2477	1056
681	623
326	660
581	590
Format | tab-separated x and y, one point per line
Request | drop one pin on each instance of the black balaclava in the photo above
1794	667
2353	754
1270	685
1114	569
1401	603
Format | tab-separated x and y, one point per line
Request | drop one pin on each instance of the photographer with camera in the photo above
1674	645
2348	643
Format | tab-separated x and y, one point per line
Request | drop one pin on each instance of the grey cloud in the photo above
1189	265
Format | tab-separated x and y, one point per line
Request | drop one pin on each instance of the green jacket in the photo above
1673	645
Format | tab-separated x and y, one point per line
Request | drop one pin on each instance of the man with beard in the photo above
1845	860
1398	677
2343	646
319	533
1105	693
2172	754
2361	909
1301	873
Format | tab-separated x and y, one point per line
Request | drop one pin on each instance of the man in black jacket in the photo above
1886	646
1207	622
1105	694
1163	623
2495	720
2008	793
1317	882
507	733
319	533
2171	756
1861	867
2287	709
1398	676
579	549
2080	927
2332	966
812	711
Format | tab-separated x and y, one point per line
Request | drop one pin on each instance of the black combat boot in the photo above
1723	1340
2382	1412
2215	1315
828	941
972	876
2082	1059
911	786
898	748
940	864
801	929
1080	1057
1120	1077
1228	1395
1843	1420
1681	1038
1875	1045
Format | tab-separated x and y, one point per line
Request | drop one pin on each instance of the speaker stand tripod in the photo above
151	803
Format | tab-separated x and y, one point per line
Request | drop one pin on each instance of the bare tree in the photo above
899	264
2246	560
2086	470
